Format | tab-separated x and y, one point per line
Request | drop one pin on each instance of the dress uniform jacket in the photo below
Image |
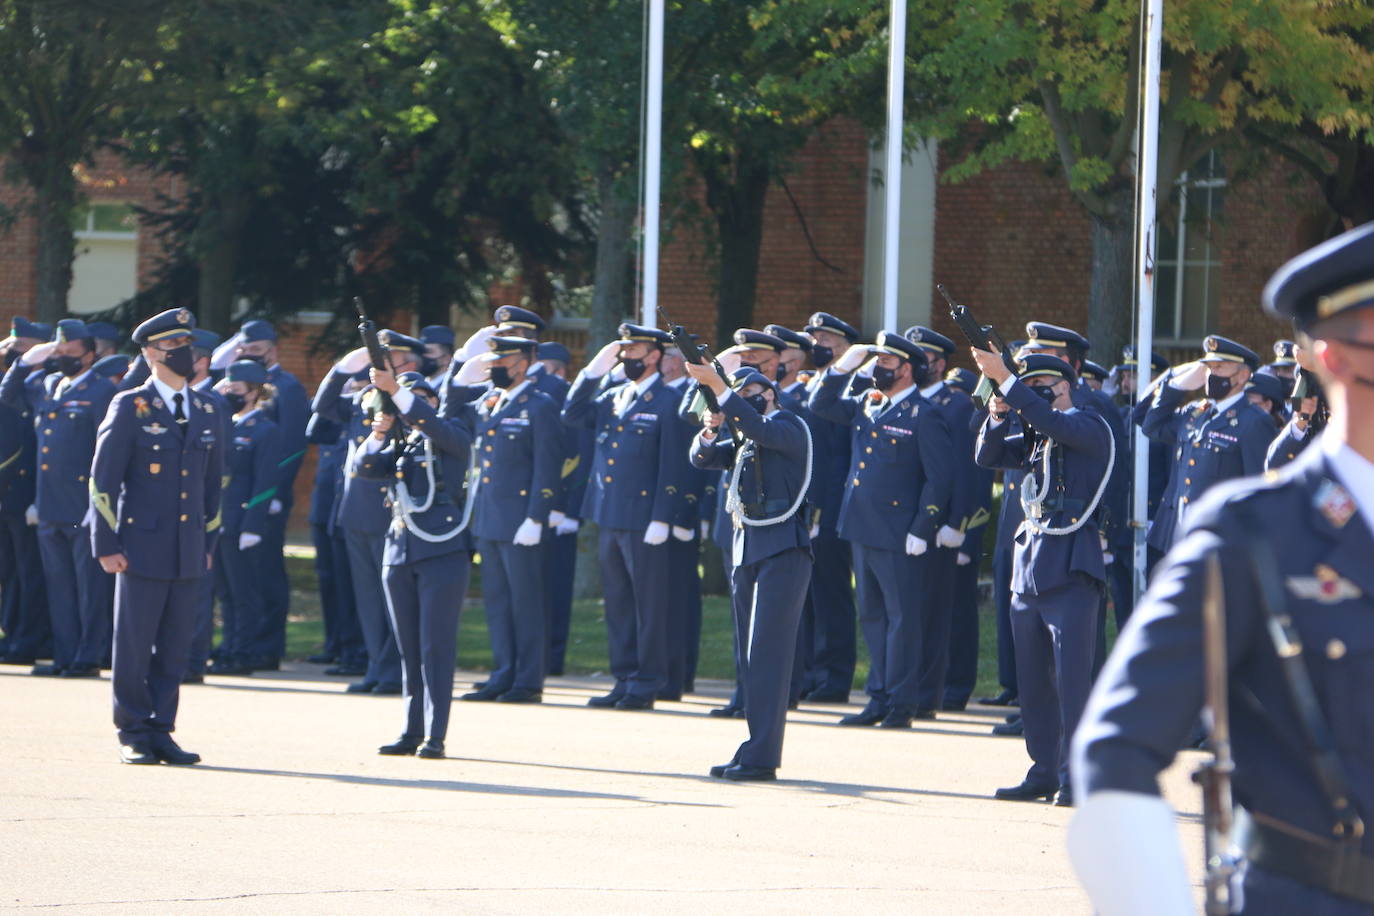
290	410
251	470
520	454
1287	446
359	505
1147	699
1208	447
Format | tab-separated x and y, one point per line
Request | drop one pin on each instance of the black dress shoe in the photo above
670	696
13	659
728	711
229	666
871	714
406	747
193	677
1009	729
321	658
267	663
1065	797
81	671
924	715
385	689
1026	792
742	772
344	671
898	717
718	771
1013	717
632	702
361	687
431	750
480	685
46	670
137	754
826	696
168	751
607	701
485	695
521	695
1005	698
954	705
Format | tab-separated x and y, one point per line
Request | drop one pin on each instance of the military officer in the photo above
771	550
1218	438
438	343
633	496
1094	375
1285	364
68	405
1295	654
428	548
1058	570
520	455
901	480
343	635
155	516
1269	393
1310	413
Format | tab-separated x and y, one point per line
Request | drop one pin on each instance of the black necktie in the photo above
179	412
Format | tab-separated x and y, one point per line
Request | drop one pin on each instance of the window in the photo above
1188	278
105	271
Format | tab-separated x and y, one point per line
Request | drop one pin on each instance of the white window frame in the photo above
1211	265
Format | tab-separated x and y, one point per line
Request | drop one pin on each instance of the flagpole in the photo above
653	163
892	173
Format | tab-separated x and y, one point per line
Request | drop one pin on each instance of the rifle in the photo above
1214	776
981	336
698	355
376	353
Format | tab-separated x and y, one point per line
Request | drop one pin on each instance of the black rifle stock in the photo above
698	355
376	353
982	336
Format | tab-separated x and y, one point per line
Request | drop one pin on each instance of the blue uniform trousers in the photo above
203	631
78	595
937	617
249	632
889	586
276	587
963	635
1120	581
369	601
24	603
834	641
1001	596
424	599
635	580
767	599
1055	635
560	566
513	596
343	636
147	685
684	638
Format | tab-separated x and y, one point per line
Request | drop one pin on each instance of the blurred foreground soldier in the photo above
771	550
155	518
428	551
1295	600
1057	567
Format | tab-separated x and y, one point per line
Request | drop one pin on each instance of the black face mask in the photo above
50	364
821	356
70	366
428	366
759	402
634	368
781	373
235	401
1217	387
500	377
1046	392
920	374
182	361
884	378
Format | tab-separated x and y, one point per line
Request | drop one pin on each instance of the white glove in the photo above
916	546
853	358
949	537
568	526
274	507
476	345
1114	827
31	515
617	373
705	527
354	361
962	559
36	354
656	533
527	535
249	540
730	360
1189	377
472	372
224	354
556	518
815	531
682	534
604	360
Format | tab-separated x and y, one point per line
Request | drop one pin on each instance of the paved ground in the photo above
548	809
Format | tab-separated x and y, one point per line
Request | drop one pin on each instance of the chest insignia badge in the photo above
141	408
1335	503
1324	586
157	402
156	429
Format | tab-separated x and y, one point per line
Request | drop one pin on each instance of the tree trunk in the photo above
1111	294
736	196
221	233
611	284
54	206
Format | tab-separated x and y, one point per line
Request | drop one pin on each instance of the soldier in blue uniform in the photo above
1285	364
1094	375
68	405
834	644
106	337
24	605
155	515
437	353
252	456
1058	571
771	550
901	480
520	453
343	635
1309	418
1306	533
203	344
428	548
1269	393
633	496
1217	438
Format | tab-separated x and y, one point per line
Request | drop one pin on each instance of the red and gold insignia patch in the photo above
141	408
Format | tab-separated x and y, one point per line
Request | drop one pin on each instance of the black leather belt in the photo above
1339	868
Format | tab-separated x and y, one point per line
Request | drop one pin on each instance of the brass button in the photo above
156	447
1335	649
47	432
184	472
42	467
1192	461
615	445
486	480
488	448
874	434
524	493
486	462
129	520
643	492
895	503
868	449
862	465
620	429
856	481
183	516
81	478
183	495
491	432
1188	480
608	478
1011	486
45	449
382	489
52	415
1185	500
610	461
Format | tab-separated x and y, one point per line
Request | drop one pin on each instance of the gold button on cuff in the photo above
183	516
1335	649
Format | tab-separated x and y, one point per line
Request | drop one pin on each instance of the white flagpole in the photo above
653	163
892	174
1146	205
